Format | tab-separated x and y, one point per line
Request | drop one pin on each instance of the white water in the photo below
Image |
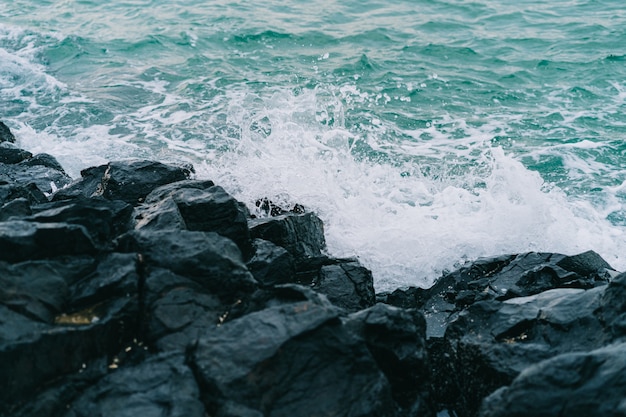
403	223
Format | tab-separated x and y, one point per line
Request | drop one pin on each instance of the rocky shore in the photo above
137	290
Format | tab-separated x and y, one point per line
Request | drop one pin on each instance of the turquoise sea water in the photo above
425	133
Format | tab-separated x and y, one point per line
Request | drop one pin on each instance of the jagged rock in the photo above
178	310
160	386
348	285
17	208
22	240
181	316
86	186
491	342
208	258
34	353
271	264
104	220
199	206
47	179
404	297
397	340
54	398
129	181
33	289
301	235
5	134
613	311
30	192
44	160
573	384
11	154
501	278
116	276
295	359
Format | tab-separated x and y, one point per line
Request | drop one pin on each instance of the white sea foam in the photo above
405	226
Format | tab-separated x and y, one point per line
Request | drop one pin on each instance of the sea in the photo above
425	133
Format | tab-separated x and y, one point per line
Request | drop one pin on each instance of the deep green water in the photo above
424	133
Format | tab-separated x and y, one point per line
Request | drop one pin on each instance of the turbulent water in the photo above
425	133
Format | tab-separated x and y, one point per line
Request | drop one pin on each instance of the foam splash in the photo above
406	226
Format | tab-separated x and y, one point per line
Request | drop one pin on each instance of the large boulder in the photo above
22	240
35	353
129	181
295	359
271	264
396	339
42	170
103	220
159	386
215	262
33	289
178	310
347	284
198	206
302	235
572	384
492	342
500	278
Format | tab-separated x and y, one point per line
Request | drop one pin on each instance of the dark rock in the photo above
86	186
129	181
22	240
348	285
115	276
23	173
505	277
178	310
301	235
35	353
30	192
181	316
208	258
196	205
573	384
17	208
44	160
397	340
11	154
5	134
33	289
271	264
104	220
72	268
287	360
161	386
407	297
54	398
613	311
491	342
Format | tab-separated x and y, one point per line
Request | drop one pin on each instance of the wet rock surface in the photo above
138	290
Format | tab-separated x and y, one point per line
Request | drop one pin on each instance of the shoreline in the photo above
137	280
